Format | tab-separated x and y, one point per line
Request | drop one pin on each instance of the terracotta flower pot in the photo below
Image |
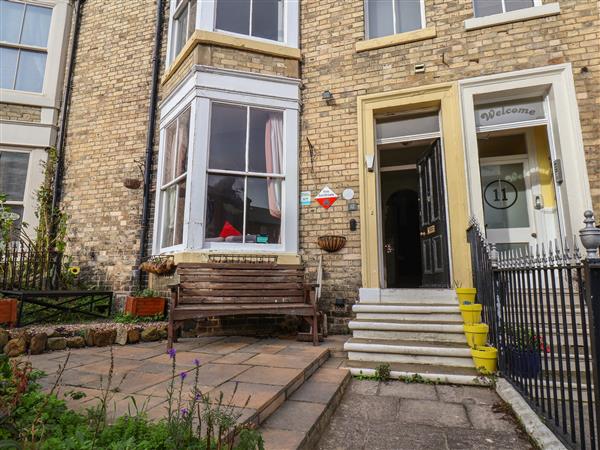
145	306
8	311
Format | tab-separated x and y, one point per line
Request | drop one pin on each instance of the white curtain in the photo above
274	159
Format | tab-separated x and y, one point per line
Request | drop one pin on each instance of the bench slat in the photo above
232	266
192	286
239	272
241	293
241	279
236	299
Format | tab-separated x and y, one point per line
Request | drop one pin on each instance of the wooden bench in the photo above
227	289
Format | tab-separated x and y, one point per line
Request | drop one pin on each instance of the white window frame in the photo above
175	9
206	17
518	15
208	84
56	51
504	11
394	6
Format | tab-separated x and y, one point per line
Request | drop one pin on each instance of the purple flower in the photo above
196	362
197	397
171	352
183	375
184	412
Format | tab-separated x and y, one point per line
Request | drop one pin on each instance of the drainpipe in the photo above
137	274
64	113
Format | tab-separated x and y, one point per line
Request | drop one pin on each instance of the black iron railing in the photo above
23	265
541	305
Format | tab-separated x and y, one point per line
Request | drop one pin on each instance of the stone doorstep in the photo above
300	421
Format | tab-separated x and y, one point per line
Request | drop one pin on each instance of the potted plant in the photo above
476	334
471	313
464	294
145	303
524	351
485	359
8	310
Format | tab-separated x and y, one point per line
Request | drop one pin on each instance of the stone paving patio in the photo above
267	370
397	416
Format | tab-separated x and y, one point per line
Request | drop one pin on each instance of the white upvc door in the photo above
508	202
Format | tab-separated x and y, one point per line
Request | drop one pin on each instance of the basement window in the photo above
388	17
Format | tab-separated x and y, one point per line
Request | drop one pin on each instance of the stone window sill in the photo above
535	12
396	39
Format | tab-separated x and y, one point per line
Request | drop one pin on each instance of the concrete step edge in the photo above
407	350
441	378
418	327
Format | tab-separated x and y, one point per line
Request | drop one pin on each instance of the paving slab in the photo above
436	413
246	395
410	391
295	416
270	375
234	358
282	439
467	394
315	391
284	361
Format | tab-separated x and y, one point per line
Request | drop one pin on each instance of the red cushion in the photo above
229	230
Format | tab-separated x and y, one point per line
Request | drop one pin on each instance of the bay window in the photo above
24	30
174	179
228	164
388	17
482	8
245	175
259	18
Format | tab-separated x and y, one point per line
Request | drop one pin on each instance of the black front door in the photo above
432	213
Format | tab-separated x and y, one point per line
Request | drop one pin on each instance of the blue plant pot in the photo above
524	363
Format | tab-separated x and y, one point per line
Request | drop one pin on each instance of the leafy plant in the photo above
382	372
525	339
145	293
130	318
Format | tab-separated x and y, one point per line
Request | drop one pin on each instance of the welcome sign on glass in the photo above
509	112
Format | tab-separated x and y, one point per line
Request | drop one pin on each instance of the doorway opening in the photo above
413	229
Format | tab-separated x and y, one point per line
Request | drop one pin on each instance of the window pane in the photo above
179	212
225	208
30	74
408	15
169	157
487	7
13	174
183	143
265	151
169	205
192	19
504	196
11	17
512	5
267	19
407	126
263	214
36	26
8	57
380	17
180	24
233	15
509	112
227	137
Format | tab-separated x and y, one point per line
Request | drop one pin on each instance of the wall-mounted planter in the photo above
132	183
471	314
466	295
8	311
145	306
485	359
476	334
331	243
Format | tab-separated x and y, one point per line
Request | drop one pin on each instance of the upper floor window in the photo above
24	29
387	17
488	7
259	18
184	24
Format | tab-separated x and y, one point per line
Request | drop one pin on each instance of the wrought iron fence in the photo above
23	265
542	305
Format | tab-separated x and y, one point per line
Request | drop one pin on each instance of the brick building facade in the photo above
452	63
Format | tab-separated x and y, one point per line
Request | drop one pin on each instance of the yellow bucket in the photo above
466	295
485	359
470	313
476	334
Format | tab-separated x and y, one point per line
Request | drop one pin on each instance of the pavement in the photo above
396	415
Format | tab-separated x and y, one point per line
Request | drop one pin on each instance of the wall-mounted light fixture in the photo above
327	96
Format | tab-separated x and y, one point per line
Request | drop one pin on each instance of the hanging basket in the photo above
331	243
159	265
132	183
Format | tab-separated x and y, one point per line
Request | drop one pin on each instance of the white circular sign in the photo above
348	194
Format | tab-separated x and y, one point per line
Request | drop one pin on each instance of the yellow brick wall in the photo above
329	32
20	113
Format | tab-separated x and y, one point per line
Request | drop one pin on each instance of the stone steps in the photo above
299	422
408	330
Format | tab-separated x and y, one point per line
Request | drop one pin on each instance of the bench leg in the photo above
170	333
315	329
